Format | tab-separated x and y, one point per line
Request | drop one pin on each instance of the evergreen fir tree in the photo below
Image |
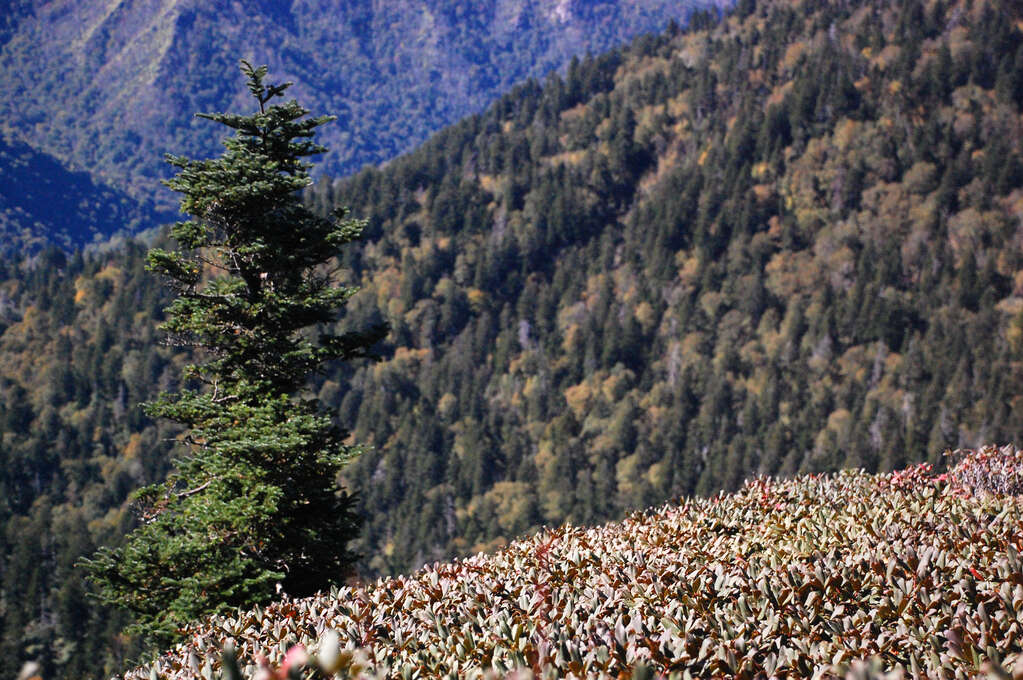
254	504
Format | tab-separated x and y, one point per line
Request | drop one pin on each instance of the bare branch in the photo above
192	492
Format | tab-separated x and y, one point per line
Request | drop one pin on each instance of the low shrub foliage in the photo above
904	574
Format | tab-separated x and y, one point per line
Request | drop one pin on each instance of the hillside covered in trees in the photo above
110	87
788	241
43	204
79	353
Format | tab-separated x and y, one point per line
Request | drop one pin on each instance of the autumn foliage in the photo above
818	576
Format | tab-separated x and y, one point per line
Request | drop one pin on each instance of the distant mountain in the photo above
43	203
110	87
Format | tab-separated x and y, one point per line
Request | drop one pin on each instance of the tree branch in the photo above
192	492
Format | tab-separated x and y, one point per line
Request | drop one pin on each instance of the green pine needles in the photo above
254	503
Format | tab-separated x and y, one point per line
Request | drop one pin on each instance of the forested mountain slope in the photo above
786	242
42	204
109	87
79	352
789	242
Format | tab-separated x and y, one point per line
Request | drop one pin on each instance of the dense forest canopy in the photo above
784	241
80	351
788	242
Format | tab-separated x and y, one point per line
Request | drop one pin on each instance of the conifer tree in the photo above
254	503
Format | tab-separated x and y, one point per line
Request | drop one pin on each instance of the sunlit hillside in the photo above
781	243
785	579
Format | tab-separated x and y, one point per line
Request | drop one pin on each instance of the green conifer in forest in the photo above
254	503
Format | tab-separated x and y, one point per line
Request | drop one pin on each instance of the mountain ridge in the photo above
44	204
109	88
